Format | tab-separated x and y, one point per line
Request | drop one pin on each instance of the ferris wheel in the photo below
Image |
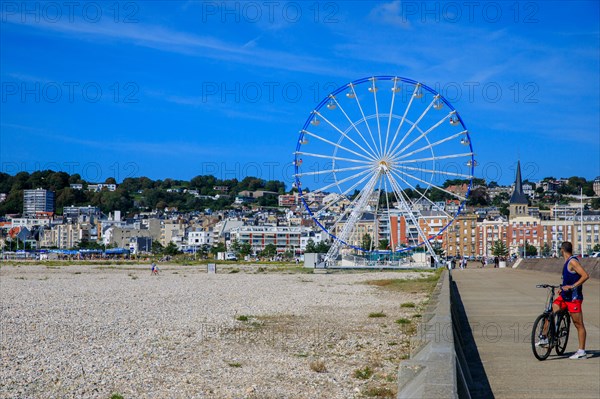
372	163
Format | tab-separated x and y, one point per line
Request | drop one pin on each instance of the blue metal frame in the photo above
344	88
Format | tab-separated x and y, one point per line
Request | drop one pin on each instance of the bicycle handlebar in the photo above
547	286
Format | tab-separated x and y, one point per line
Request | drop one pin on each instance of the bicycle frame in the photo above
552	327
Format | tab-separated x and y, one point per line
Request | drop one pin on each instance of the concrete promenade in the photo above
501	305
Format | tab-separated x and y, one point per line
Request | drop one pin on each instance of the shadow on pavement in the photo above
478	384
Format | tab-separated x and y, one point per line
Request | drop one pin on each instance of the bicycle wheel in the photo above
564	322
541	352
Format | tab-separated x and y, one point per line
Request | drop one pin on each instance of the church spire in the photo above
518	196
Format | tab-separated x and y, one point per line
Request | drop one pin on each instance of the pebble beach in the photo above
95	331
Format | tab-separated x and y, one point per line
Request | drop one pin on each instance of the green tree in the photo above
546	250
366	242
384	244
499	249
311	248
171	249
530	250
322	247
157	247
245	249
269	251
596	248
235	246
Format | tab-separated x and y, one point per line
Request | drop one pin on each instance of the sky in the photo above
183	88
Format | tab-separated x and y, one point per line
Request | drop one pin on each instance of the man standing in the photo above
571	296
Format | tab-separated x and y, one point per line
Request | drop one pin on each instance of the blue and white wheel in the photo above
373	154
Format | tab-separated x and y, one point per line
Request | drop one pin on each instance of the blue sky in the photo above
177	89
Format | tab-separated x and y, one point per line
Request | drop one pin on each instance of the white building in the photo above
284	238
199	238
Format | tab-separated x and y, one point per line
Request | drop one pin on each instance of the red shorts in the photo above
573	306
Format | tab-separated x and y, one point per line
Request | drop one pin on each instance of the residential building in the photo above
38	200
287	200
121	236
101	186
65	236
140	245
199	238
172	230
283	237
460	239
596	186
488	232
587	231
83	214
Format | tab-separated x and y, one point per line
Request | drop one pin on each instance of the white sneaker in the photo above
580	354
542	342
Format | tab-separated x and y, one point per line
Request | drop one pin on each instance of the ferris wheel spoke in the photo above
389	216
466	154
364	118
412	97
423	134
431	145
430	185
331	157
442	172
353	125
415	124
337	183
389	124
374	90
420	232
322	172
372	153
338	146
422	194
375	219
341	196
358	207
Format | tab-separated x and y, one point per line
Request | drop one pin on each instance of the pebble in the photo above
100	332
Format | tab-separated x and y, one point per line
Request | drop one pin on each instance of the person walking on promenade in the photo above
571	297
154	269
496	262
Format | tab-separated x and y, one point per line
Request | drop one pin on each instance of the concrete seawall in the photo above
435	368
555	265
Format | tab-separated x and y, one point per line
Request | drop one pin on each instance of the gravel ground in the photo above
92	331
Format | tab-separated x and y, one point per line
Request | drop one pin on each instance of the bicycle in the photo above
558	330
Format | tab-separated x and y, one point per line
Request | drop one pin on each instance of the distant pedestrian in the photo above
463	263
483	261
496	262
432	261
154	269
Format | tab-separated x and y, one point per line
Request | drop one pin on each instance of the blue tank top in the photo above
570	278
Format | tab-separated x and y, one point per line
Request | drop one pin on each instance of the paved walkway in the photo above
501	305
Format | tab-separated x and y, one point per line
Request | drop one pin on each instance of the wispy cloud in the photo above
390	14
168	40
122	146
